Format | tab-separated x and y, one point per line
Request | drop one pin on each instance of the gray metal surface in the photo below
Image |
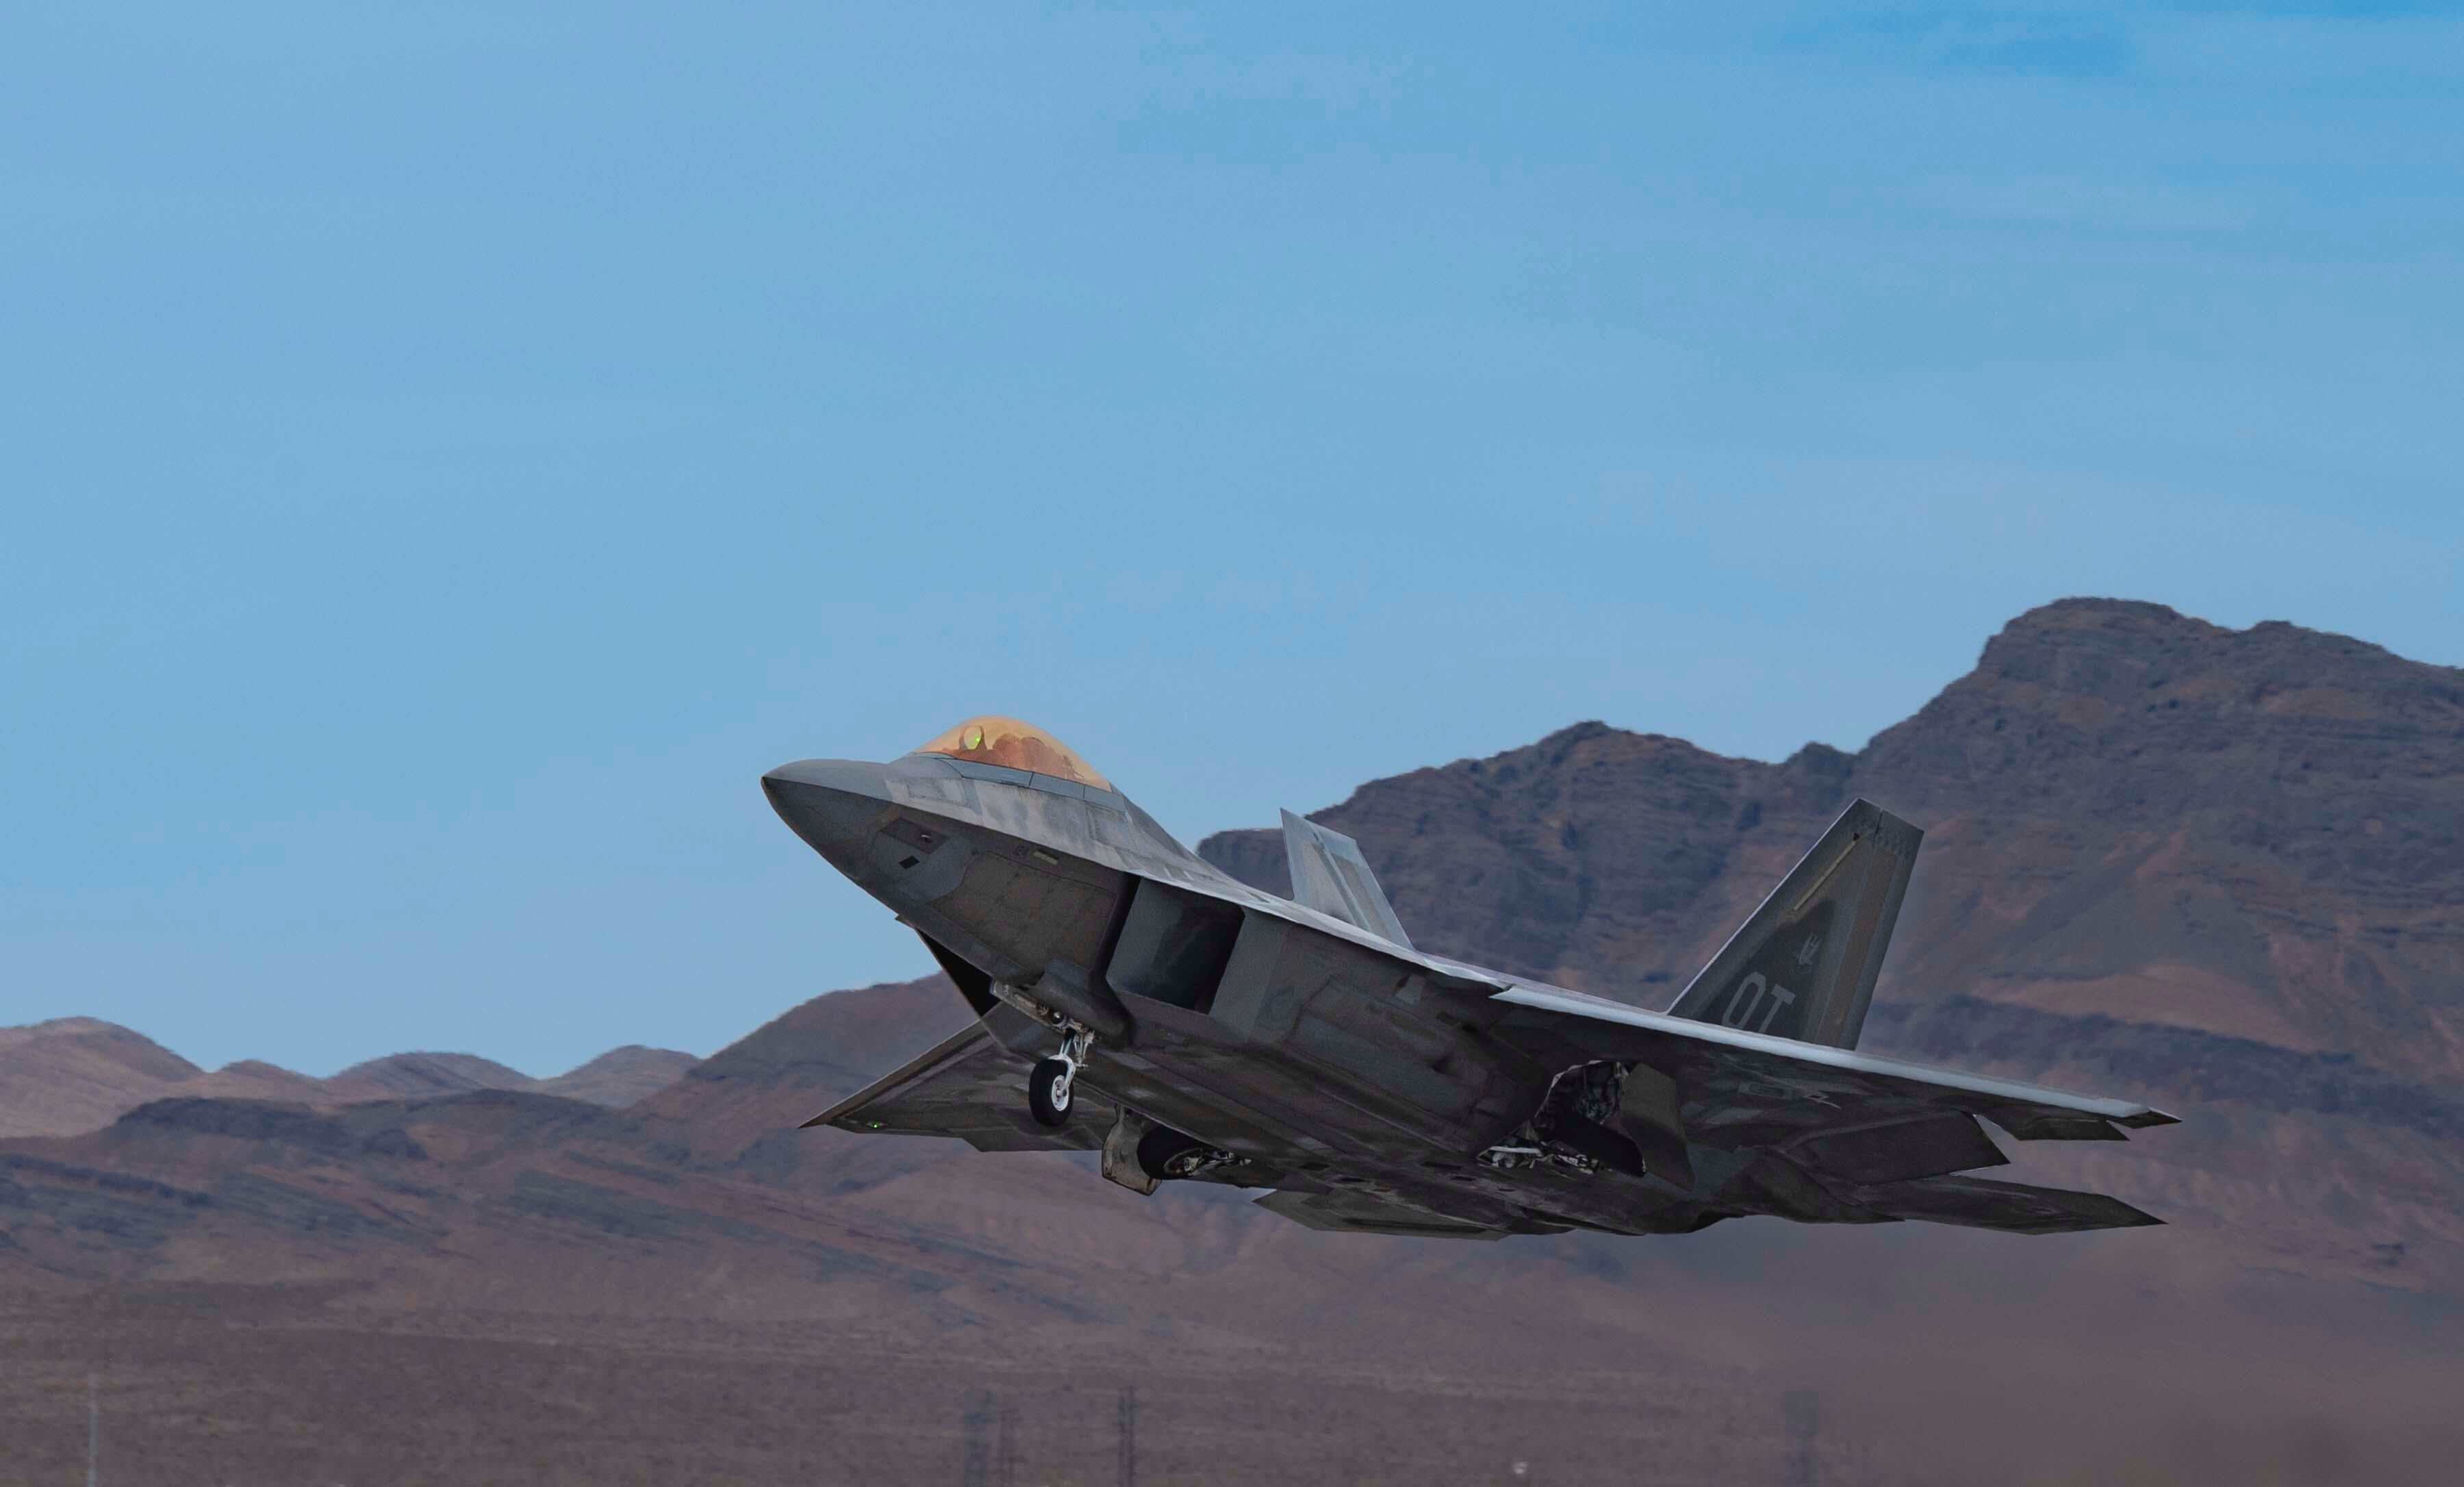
1803	965
1307	1048
1759	1054
967	1086
1330	875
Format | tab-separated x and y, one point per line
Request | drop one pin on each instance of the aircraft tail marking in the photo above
1330	875
1803	967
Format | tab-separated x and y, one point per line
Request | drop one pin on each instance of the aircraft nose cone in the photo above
832	803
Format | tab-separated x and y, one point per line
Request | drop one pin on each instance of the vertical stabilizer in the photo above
1330	875
1803	967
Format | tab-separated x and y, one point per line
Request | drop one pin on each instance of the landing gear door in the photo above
1173	946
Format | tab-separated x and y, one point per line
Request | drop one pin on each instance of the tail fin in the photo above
1803	967
1330	875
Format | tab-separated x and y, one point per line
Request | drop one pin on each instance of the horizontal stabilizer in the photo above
1330	875
2013	1208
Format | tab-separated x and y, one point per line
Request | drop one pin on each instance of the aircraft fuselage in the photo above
1251	1023
1188	1025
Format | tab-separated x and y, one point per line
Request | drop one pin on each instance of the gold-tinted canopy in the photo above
992	739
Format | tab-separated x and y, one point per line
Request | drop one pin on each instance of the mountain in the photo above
76	1074
2149	870
620	1076
248	1078
415	1076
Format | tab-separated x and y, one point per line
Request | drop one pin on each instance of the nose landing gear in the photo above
1047	1088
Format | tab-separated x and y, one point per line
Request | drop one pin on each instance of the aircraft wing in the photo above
1883	1134
969	1086
1765	1089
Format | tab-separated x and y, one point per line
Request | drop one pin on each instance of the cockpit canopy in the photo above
993	739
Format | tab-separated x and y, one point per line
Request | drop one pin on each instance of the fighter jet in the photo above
1134	1002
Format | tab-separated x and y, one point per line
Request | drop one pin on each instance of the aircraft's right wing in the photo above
1885	1135
969	1086
1765	1089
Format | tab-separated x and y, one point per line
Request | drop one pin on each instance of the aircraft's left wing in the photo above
971	1088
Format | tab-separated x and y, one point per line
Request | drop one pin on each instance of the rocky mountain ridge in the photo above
68	1075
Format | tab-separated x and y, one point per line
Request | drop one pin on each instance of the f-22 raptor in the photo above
1190	1027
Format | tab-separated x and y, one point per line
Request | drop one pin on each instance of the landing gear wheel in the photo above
1048	1091
1165	1153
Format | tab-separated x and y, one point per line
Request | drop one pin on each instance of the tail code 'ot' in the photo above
1803	967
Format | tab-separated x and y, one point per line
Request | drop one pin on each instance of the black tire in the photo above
1047	1092
1158	1148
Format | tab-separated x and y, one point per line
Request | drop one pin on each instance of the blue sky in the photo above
452	451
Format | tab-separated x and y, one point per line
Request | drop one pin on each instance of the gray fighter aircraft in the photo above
1188	1026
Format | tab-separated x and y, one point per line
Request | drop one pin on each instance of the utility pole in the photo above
1007	1455
974	1423
1803	1414
1128	1435
93	1432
